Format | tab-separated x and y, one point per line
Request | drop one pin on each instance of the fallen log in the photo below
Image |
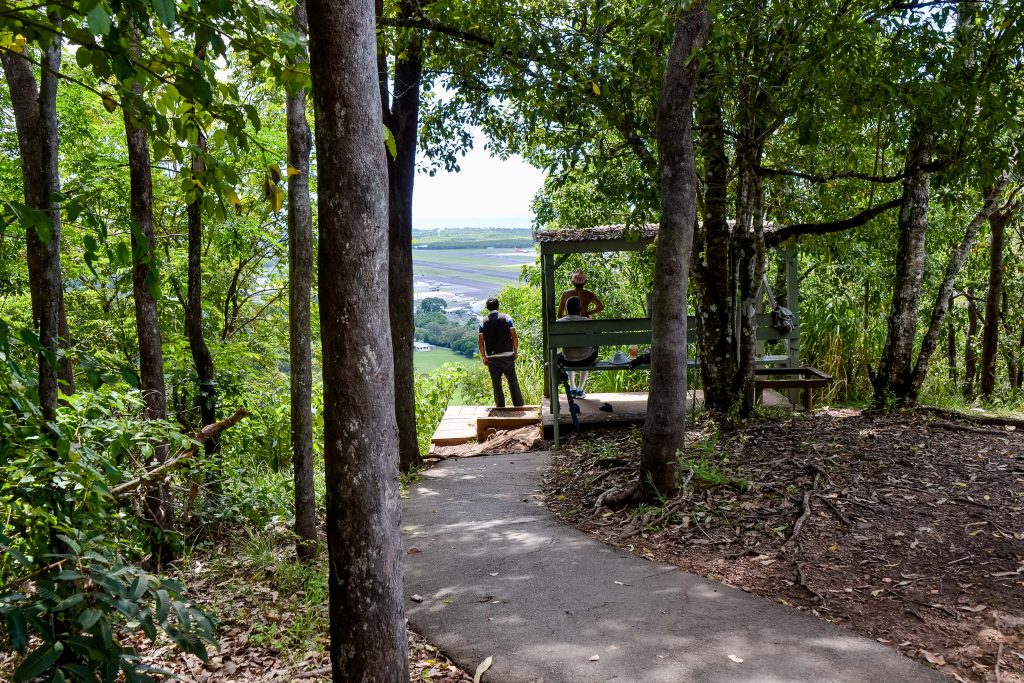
977	419
953	427
204	434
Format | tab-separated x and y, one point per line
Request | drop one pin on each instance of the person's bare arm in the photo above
597	304
515	343
561	305
480	345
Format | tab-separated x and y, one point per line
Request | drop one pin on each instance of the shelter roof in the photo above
598	234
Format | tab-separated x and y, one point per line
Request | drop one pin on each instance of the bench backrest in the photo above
624	331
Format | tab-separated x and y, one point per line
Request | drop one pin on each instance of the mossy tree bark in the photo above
147	320
35	120
300	279
401	108
664	429
367	624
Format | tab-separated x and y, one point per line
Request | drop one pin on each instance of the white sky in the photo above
487	192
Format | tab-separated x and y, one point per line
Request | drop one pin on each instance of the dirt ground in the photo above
905	528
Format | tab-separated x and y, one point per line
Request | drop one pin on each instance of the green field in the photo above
426	361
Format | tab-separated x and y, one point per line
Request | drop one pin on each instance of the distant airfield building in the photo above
421	346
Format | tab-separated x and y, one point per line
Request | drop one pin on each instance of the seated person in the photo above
576	356
590	304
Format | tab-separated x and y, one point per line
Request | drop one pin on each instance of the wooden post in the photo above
554	400
793	304
547	288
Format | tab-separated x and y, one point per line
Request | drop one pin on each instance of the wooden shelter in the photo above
558	245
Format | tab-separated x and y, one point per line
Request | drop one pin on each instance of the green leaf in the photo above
99	20
165	10
69	602
163	605
389	142
88	618
37	663
129	375
16	629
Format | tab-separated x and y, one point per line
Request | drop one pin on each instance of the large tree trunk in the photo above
403	121
201	356
750	229
368	639
35	118
993	297
892	381
664	429
713	274
147	321
300	278
945	294
970	353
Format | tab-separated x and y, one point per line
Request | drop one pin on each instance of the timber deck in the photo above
627	408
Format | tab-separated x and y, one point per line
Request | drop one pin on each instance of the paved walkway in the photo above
498	575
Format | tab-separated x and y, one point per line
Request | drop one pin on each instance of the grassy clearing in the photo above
425	362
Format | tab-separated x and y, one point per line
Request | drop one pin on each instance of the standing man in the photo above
499	348
590	304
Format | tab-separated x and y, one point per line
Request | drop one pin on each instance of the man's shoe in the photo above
580	393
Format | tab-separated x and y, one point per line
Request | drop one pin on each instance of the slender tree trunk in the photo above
300	278
368	639
1010	354
970	354
50	148
35	118
1018	377
403	121
201	357
147	322
713	274
951	352
750	231
993	297
664	430
945	294
892	382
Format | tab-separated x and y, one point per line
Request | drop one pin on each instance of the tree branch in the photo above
838	175
781	234
204	434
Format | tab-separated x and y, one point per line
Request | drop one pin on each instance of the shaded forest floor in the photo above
904	528
273	619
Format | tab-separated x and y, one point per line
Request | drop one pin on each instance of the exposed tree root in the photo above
798	527
802	580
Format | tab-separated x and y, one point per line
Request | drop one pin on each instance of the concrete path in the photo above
500	576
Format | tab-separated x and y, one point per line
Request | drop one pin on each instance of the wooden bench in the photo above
806	378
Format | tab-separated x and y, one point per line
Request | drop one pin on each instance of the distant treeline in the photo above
473	238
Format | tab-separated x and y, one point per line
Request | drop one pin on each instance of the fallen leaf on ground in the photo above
738	660
594	658
484	666
417	598
937	660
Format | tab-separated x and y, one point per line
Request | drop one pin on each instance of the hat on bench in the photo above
620	358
